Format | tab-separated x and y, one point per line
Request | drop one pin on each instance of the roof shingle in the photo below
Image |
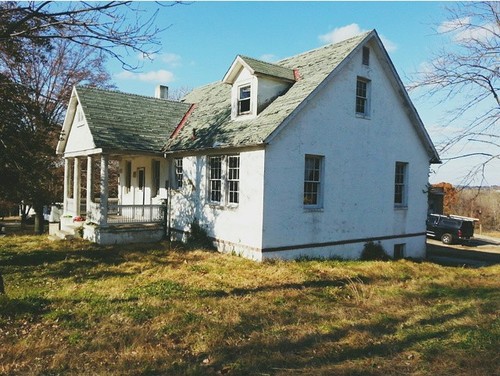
128	122
211	119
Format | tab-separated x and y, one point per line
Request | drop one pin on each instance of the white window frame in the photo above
240	100
215	179
363	96
178	172
313	181
401	184
233	179
223	173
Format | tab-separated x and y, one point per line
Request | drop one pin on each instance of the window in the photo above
312	180
233	179
366	56
244	100
179	174
141	175
155	189
362	91
215	179
400	184
399	251
128	175
79	115
224	179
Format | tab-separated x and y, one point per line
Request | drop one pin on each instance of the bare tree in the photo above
45	49
116	27
467	68
178	94
47	76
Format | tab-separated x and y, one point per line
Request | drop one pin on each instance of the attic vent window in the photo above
244	100
366	56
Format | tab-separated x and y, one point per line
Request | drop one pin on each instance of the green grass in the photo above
76	308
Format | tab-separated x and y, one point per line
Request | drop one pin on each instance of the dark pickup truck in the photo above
450	228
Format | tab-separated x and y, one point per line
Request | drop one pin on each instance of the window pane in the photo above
233	178
312	180
178	172
400	183
215	179
245	92
361	96
244	100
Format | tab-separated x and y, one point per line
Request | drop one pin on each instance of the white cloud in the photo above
171	59
453	25
463	30
161	75
268	57
345	32
389	45
341	33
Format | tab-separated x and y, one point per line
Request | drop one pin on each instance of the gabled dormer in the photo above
255	84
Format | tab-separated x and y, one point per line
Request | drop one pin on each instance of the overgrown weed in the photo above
76	308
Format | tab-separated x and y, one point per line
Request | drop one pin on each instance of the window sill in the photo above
400	207
313	209
219	206
363	116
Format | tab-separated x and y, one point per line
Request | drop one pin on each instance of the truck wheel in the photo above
447	238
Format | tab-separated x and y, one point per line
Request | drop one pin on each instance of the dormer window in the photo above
255	84
244	100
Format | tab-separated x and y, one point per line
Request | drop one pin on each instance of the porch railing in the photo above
126	213
135	213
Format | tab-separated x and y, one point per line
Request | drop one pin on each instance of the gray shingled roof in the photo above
269	69
128	122
211	119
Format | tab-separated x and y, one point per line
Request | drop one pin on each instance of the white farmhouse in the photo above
314	155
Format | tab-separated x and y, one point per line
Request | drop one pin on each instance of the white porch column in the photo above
66	184
77	185
104	191
89	185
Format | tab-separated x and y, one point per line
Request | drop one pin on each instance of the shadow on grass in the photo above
315	284
380	338
29	305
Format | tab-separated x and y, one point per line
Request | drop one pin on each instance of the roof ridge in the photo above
115	91
261	61
359	36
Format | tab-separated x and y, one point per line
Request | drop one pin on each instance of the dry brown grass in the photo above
76	308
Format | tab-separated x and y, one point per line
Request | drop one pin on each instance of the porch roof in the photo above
129	122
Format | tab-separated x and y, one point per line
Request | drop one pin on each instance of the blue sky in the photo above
203	38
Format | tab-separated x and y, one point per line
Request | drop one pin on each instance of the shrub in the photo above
374	251
198	237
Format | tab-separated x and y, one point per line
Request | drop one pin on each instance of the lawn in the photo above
76	308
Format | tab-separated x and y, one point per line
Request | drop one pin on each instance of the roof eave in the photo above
419	125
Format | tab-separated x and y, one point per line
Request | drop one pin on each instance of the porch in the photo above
103	219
